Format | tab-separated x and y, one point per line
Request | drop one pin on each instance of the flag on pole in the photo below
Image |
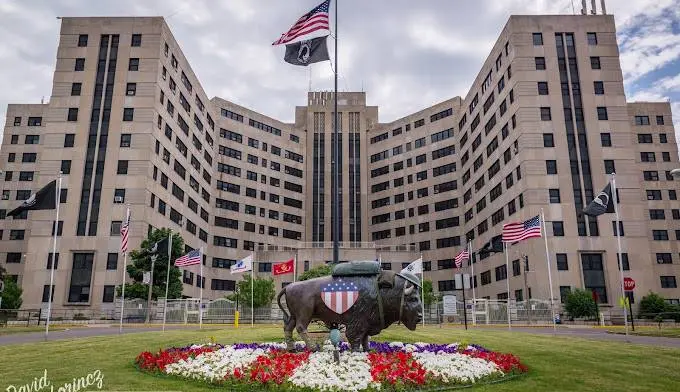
416	267
124	232
602	203
463	255
314	20
285	267
191	258
242	265
44	199
307	51
518	231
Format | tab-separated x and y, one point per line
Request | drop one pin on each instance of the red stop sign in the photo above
628	284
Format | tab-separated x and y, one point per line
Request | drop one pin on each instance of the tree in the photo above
11	295
316	272
429	296
141	262
580	303
263	292
651	304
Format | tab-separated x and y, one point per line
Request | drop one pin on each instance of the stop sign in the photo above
628	284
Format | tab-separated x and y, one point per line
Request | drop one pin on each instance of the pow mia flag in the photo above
44	199
603	203
307	52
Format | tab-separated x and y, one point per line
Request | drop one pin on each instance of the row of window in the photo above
32	121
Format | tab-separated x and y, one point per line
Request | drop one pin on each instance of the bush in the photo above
11	296
651	304
316	272
580	304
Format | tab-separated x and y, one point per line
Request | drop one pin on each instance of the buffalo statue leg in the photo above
301	327
364	342
354	340
288	333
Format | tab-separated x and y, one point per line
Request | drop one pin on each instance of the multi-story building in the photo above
544	122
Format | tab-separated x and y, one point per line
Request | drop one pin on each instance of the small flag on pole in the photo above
464	255
416	267
307	52
242	265
603	203
518	231
124	232
314	20
191	258
285	267
44	199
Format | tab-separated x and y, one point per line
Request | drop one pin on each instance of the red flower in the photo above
508	363
274	367
157	362
396	367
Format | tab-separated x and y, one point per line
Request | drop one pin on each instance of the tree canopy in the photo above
263	292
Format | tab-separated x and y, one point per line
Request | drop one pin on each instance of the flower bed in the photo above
387	365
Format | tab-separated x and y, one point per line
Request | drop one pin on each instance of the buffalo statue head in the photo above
411	313
406	286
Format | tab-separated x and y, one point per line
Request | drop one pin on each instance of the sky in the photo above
407	55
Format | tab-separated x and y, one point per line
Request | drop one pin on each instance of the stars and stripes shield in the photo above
339	295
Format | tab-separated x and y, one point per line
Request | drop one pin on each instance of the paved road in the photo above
586	333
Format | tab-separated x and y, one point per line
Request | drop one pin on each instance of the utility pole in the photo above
526	287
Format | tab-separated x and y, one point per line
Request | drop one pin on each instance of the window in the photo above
29	157
620	231
79	65
81	276
641	120
659	120
129	114
651	175
598	87
125	139
562	264
668	282
133	65
554	196
592	38
593	275
72	114
66	167
32	139
664	258
122	167
672	195
558	228
666	156
606	139
551	167
501	273
548	140
545	114
660	235
647	157
540	63
595	63
136	40
609	167
602	113
538	39
75	89
82	40
34	121
663	138
131	89
656	214
542	88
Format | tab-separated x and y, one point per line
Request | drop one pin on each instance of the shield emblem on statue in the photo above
339	295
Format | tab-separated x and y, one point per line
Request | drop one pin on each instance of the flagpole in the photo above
336	205
294	266
422	288
472	282
252	290
619	255
167	279
122	302
507	282
54	261
200	300
547	257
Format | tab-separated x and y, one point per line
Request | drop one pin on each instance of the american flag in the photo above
339	295
191	258
125	232
464	255
316	19
518	231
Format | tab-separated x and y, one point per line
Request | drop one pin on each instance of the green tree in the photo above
263	292
651	304
11	295
316	272
141	262
579	303
429	296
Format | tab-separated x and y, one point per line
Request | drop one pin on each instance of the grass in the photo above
13	330
555	363
650	331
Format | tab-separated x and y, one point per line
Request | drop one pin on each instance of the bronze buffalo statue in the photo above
358	295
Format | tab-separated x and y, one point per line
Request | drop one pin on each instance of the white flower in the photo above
456	367
353	373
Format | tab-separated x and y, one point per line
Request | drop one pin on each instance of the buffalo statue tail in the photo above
286	316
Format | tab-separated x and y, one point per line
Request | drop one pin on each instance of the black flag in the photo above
495	245
603	203
161	247
307	52
44	199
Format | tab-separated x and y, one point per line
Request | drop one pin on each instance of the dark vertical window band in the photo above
103	137
569	128
354	177
338	162
92	137
319	178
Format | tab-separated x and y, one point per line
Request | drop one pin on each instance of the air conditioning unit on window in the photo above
118	199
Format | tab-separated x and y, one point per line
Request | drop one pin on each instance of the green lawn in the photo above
651	331
555	363
12	330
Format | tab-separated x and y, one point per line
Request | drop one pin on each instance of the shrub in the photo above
580	304
652	304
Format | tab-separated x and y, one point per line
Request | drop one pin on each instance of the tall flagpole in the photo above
547	257
167	279
122	301
294	265
54	261
252	290
336	177
507	282
200	300
472	283
422	287
619	256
